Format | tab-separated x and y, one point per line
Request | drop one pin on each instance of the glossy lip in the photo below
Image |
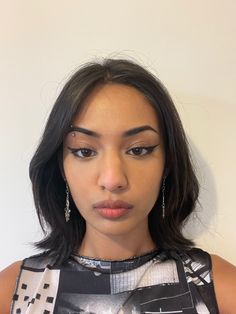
113	204
112	209
112	213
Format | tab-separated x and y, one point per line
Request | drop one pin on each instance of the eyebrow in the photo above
126	134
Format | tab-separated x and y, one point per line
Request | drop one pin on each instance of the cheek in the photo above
149	182
149	187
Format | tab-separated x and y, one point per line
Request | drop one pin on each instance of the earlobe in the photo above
60	164
166	173
62	173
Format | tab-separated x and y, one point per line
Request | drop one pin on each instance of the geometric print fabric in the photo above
157	282
35	289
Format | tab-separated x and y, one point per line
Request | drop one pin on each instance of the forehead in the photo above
116	106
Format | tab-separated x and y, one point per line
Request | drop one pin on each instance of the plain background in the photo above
189	45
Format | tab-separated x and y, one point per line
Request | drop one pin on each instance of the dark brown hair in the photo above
181	191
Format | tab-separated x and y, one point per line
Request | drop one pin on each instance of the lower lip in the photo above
112	212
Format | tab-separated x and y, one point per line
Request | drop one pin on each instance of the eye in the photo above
82	152
141	151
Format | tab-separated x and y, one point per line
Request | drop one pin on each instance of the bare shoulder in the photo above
224	276
8	277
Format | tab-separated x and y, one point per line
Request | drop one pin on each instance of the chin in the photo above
118	228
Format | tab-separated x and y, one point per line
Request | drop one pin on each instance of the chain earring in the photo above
67	208
163	198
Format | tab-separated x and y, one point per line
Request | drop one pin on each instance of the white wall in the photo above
190	45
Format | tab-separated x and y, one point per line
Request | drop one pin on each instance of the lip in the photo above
118	204
112	213
112	209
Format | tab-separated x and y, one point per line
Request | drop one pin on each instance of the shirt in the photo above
160	281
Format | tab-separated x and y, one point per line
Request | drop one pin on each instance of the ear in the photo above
166	172
60	164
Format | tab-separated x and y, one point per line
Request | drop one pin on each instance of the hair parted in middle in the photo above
46	167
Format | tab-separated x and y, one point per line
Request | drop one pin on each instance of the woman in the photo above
113	185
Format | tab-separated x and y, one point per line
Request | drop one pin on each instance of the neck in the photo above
112	247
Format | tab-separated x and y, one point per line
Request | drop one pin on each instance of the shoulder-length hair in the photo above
46	167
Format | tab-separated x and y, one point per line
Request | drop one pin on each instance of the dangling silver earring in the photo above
67	208
163	198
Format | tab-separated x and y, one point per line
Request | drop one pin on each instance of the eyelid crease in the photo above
149	150
80	142
135	145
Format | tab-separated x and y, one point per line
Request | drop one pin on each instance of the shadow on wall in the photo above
202	219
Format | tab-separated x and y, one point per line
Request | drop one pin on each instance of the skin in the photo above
114	172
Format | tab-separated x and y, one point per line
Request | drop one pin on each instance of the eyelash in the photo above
149	150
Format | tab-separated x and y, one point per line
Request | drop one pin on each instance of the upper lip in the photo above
112	204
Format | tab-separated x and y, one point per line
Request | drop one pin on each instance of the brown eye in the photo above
82	152
138	150
85	152
142	151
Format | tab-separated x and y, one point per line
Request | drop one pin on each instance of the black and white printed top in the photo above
157	282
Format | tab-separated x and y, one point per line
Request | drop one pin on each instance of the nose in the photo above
112	176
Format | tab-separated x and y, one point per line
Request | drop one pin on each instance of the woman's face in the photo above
116	153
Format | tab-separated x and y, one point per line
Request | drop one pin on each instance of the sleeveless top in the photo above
156	282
